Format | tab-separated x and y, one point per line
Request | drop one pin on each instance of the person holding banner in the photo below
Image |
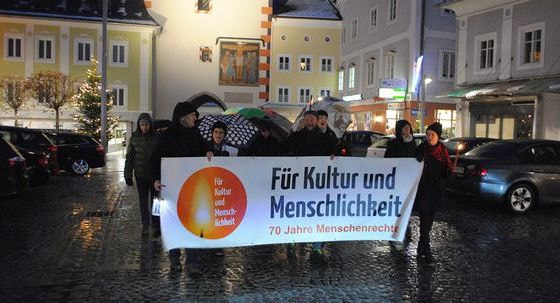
265	144
181	139
437	165
218	145
140	149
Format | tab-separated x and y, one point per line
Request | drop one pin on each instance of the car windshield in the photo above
492	149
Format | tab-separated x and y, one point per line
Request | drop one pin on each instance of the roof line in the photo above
151	22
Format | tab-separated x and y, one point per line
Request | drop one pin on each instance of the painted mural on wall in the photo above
239	64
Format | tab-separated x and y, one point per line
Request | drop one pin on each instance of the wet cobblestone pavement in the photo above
79	240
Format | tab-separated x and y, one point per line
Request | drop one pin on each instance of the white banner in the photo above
241	201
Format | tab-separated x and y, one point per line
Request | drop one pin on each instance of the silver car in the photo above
519	173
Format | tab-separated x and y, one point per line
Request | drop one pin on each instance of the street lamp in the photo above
426	81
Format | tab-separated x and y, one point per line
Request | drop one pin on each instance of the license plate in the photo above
459	170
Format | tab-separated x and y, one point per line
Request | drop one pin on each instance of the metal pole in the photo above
421	104
104	78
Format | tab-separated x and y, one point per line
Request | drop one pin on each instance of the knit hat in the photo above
435	127
182	109
322	113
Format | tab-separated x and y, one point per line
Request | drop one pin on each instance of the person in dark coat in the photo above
180	139
323	125
403	145
309	141
140	149
218	144
265	145
437	165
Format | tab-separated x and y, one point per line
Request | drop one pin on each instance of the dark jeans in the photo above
146	193
426	222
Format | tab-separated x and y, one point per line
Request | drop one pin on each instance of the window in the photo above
390	65
305	64
341	79
284	63
325	93
392	10
304	95
531	49
447	65
392	117
120	95
351	77
44	49
119	53
485	56
283	95
326	65
13	47
83	51
203	5
370	72
373	19
354	28
448	120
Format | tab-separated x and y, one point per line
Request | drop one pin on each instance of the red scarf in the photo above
440	153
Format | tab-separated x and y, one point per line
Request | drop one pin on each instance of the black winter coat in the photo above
263	147
437	166
310	143
397	148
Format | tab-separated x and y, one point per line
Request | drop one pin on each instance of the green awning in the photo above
506	88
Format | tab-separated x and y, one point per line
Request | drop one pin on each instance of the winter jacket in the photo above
263	147
437	166
139	151
178	140
309	143
398	148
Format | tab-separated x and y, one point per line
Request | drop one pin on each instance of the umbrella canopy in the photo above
240	133
282	125
339	115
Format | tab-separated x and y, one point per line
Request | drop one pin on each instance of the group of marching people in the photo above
182	138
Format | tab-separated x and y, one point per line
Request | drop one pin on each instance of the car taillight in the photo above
52	148
43	161
343	152
479	172
99	148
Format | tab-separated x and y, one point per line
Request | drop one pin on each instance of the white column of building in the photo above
144	71
507	32
461	70
29	37
65	49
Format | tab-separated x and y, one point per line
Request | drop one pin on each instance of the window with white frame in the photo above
485	55
119	53
390	65
120	95
284	63
352	76
447	65
341	79
83	51
283	94
447	118
13	49
304	95
392	10
532	45
305	64
326	64
373	18
44	48
354	28
325	92
370	70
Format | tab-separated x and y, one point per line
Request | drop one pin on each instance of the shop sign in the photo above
415	111
395	106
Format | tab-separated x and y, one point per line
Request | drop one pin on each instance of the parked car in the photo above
13	175
378	148
78	153
32	140
37	166
518	173
464	144
355	143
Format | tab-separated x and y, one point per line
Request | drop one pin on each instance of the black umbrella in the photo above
240	133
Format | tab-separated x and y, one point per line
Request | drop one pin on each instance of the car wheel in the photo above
80	167
521	198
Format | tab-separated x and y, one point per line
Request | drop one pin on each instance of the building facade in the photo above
65	36
396	53
305	54
508	79
214	53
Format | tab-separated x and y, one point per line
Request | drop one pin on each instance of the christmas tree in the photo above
89	106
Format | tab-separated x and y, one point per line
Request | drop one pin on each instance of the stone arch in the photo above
206	98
